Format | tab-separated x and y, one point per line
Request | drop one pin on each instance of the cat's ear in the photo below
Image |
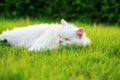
80	32
63	22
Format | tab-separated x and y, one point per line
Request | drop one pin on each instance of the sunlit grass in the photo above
99	61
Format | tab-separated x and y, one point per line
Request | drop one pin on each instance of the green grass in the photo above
99	61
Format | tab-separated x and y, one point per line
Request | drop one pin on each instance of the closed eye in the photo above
66	39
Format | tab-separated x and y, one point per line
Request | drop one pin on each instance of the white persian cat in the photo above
36	37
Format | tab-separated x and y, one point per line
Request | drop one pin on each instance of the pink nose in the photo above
80	32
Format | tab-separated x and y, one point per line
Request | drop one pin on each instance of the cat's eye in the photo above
66	39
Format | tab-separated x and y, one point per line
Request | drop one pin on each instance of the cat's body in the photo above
42	36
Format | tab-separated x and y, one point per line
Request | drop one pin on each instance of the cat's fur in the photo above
36	37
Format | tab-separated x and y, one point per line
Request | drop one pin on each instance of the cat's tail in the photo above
1	38
3	41
3	35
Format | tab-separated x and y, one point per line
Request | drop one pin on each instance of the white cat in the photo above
36	37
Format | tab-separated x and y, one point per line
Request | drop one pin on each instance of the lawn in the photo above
99	61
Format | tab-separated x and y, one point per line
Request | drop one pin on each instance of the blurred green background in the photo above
100	11
99	61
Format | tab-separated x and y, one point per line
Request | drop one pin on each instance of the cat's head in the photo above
70	34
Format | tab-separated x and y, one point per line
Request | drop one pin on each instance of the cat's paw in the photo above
32	49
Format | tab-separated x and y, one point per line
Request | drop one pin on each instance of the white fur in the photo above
36	37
